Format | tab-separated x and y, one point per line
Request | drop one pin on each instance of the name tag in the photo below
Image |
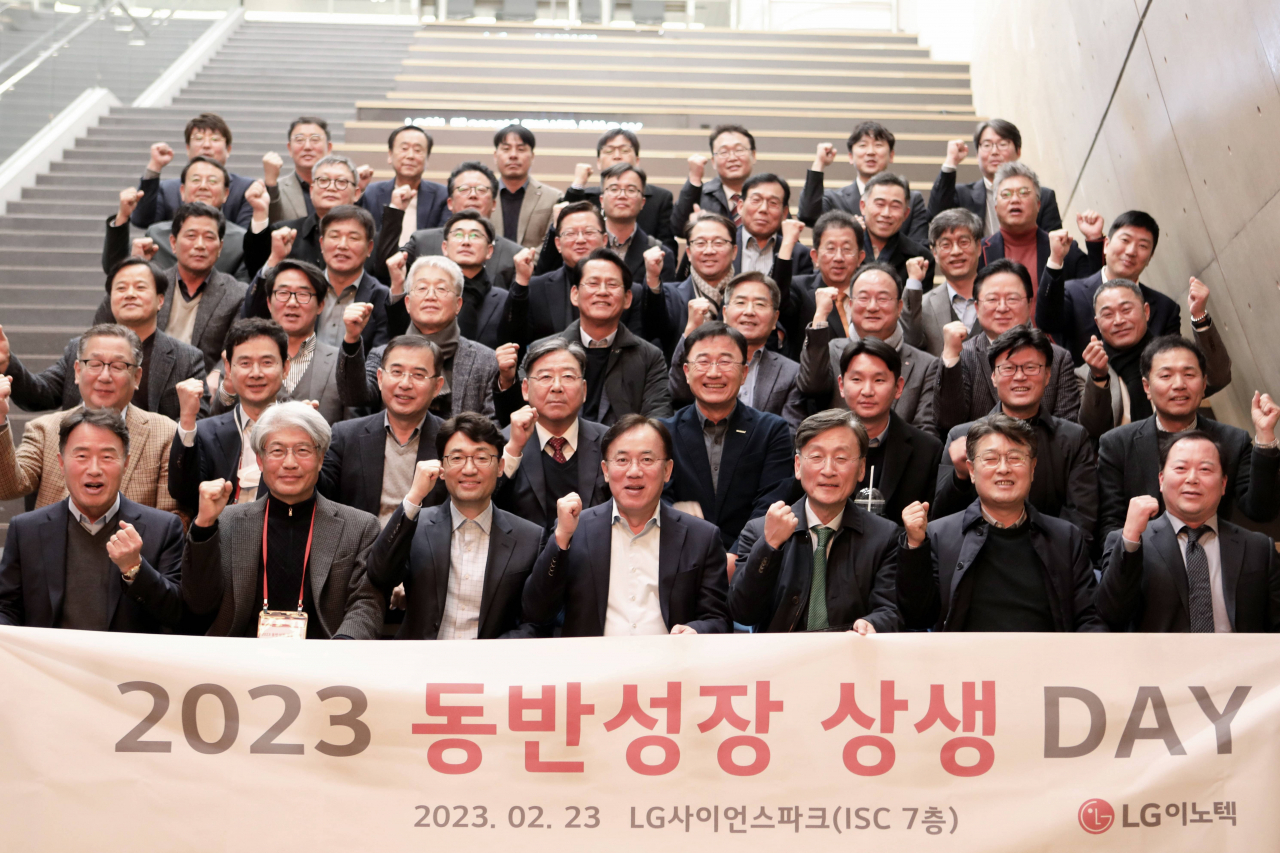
282	625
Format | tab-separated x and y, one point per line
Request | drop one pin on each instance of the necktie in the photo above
734	207
1199	600
556	443
818	589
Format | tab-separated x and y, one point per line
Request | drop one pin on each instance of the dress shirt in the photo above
966	308
601	343
813	523
329	325
713	433
747	393
300	363
620	246
634	607
511	204
247	472
511	464
757	256
93	526
468	556
1213	553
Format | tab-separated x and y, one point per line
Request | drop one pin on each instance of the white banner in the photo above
114	742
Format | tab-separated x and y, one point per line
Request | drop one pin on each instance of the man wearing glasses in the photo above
206	135
308	142
619	145
637	566
955	236
966	392
1000	564
728	456
734	151
462	564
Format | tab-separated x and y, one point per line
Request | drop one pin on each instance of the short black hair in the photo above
207	121
875	130
315	277
998	423
767	178
836	219
1017	338
815	425
580	207
469	216
247	328
611	133
318	122
474	166
875	348
714	329
889	178
1191	435
108	419
1004	265
157	275
1003	129
414	342
880	267
350	213
474	426
197	210
617	170
1166	343
730	128
226	176
626	423
1136	219
525	134
606	254
721	220
539	350
391	140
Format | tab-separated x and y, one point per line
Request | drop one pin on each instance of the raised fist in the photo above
145	248
825	156
862	628
700	310
824	299
6	384
190	393
1091	225
1059	245
364	175
524	261
568	508
281	244
1142	508
1095	355
697	168
401	196
1265	413
915	518
5	351
397	266
355	317
917	268
161	156
959	457
953	338
425	474
522	421
259	200
779	523
791	231
508	358
128	203
124	548
654	258
957	150
214	495
581	174
1198	298
272	163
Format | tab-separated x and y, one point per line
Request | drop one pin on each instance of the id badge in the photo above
282	625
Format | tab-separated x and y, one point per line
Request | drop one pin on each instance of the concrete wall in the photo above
1192	137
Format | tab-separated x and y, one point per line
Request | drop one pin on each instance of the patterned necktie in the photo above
556	443
818	589
1199	600
734	206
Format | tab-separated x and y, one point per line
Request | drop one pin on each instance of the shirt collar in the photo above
954	294
570	435
621	241
386	426
988	184
706	420
484	519
517	191
811	521
1178	524
586	339
862	185
884	433
1160	424
92	526
895	340
1021	520
656	520
749	240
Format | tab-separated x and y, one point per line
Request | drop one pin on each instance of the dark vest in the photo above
561	478
89	574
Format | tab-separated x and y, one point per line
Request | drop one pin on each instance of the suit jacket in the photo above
214	454
815	201
501	266
356	458
654	218
535	213
368	289
820	367
924	313
320	382
306	246
416	553
1146	590
635	379
710	197
932	592
525	495
692	575
288	200
431	202
223	578
946	194
771	591
1129	465
1077	263
899	249
966	392
162	198
33	570
801	262
1064	309
55	388
776	390
475	378
117	246
757	457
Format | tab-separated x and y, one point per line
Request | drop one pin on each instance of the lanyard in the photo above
306	557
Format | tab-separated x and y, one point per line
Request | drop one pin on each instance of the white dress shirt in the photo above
813	523
606	341
92	526
248	475
634	607
1213	553
511	464
468	557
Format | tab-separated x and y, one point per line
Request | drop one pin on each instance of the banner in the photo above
911	742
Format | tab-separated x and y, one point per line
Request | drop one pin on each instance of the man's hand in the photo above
6	352
401	196
425	474
1265	414
791	231
128	203
1091	225
697	168
1095	355
281	244
825	156
272	163
212	381
214	495
124	548
915	518
581	174
556	208
731	564
260	201
700	310
779	523
957	150
145	248
1198	299
397	598
6	385
1059	245
524	261
863	628
355	317
917	268
682	629
161	156
953	338
508	359
824	299
959	458
1142	509
364	175
568	508
653	260
190	393
396	268
522	422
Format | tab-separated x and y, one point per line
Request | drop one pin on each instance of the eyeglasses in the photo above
757	200
819	461
545	380
965	243
314	139
998	145
336	183
702	365
482	460
301	452
1014	301
617	150
624	463
302	297
732	151
1015	459
581	234
703	243
463	236
475	191
742	303
601	286
1007	369
419	377
247	364
1020	192
119	368
425	290
884	300
629	192
212	181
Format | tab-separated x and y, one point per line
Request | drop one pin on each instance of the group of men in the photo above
489	409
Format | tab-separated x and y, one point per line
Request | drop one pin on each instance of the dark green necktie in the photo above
818	589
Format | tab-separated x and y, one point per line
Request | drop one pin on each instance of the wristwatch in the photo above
131	574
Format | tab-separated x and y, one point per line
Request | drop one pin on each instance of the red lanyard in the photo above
306	557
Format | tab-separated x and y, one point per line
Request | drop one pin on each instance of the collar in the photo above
570	435
1022	519
987	183
484	519
953	295
521	189
386	426
586	339
706	420
622	240
1040	420
1160	424
895	340
1178	524
92	526
884	433
756	358
747	239
308	346
655	521
350	288
811	521
862	185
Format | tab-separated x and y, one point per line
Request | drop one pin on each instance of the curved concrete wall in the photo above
1192	136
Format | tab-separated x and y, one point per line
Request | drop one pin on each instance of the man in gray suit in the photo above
311	568
523	209
308	141
875	303
956	239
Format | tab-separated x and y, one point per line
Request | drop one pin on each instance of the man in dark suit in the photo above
997	142
955	236
1065	479
870	152
619	145
1001	564
622	200
838	568
206	135
885	204
1064	308
733	150
408	149
95	561
136	290
309	573
728	456
838	252
1188	570
766	204
638	566
1174	377
309	142
463	564
566	457
712	241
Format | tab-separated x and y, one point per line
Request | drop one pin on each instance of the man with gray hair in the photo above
304	552
955	236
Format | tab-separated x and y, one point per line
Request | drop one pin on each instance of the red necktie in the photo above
556	443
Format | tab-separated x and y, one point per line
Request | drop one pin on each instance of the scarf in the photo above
713	292
1127	365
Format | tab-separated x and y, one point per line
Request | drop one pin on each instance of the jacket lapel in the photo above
532	468
439	537
742	424
213	292
532	194
1042	254
671	537
557	295
244	537
599	538
128	512
689	435
1146	451
492	307
1231	555
373	457
139	437
897	456
160	371
501	546
766	377
1165	543
324	545
53	537
589	458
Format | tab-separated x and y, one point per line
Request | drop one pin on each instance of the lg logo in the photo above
1096	816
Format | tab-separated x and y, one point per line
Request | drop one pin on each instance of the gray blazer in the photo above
475	378
535	214
820	366
287	199
117	246
320	382
224	581
776	390
501	267
924	315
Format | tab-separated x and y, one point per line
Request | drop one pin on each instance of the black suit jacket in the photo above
416	553
946	194
526	496
354	463
162	198
501	265
431	202
1064	309
635	378
771	591
815	201
215	454
899	249
932	592
33	570
306	246
1077	263
1129	465
369	289
711	197
654	218
1147	589
692	575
